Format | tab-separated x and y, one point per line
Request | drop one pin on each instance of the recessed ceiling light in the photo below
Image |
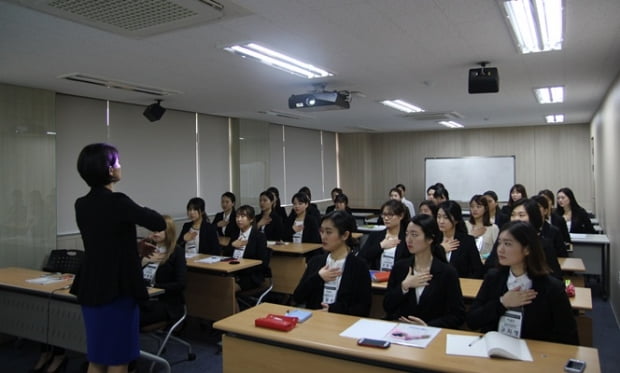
450	124
537	25
402	106
555	118
549	95
278	60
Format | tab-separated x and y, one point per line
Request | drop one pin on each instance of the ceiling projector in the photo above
319	101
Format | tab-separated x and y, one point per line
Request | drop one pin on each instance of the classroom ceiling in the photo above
419	51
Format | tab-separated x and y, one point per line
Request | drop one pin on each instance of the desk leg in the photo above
210	296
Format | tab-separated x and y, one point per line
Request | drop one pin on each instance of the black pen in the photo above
474	341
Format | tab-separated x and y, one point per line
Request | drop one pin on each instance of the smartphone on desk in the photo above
575	366
373	343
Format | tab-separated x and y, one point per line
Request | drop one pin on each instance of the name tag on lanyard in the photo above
510	323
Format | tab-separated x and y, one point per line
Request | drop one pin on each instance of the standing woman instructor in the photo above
109	284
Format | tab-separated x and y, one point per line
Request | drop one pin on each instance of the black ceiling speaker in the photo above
483	80
154	112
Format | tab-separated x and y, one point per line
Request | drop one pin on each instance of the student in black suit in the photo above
224	221
383	248
549	233
424	289
528	210
109	285
496	216
517	192
269	221
460	247
522	284
198	235
325	284
165	269
312	207
577	219
302	226
554	218
251	244
334	193
277	204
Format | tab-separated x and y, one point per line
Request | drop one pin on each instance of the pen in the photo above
474	341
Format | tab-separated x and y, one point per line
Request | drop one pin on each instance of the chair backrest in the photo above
64	261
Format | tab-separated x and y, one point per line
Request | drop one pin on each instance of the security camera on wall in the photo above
484	79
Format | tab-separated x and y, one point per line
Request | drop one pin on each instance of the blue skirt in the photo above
112	332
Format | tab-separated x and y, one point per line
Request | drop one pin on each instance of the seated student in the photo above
522	286
251	244
301	226
341	203
404	200
480	227
224	221
394	194
428	207
527	210
554	218
548	232
335	192
269	221
165	269
460	247
312	207
517	192
441	194
424	289
336	281
277	207
198	235
495	214
577	219
383	248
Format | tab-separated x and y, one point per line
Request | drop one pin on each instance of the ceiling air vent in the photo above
138	18
118	84
434	116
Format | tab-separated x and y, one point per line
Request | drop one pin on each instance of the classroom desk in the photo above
572	265
210	292
367	228
288	263
46	313
593	249
315	346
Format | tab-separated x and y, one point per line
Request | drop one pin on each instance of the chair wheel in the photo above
191	356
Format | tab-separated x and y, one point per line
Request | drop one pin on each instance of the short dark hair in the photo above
542	201
491	194
230	196
431	205
301	197
401	186
306	190
533	212
246	210
431	230
455	215
336	190
525	233
395	189
197	204
343	222
94	163
398	208
441	192
342	198
549	194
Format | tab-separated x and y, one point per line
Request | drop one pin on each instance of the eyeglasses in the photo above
387	215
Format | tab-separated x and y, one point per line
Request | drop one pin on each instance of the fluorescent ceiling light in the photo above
450	124
537	25
278	60
555	118
402	106
549	95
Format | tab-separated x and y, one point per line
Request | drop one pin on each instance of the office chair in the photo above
64	261
166	328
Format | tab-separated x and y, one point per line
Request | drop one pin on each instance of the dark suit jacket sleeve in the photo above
581	222
175	281
394	296
454	312
486	309
310	287
475	263
354	293
564	328
558	242
371	251
208	242
276	228
311	230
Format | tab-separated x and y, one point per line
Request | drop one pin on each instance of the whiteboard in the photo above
466	176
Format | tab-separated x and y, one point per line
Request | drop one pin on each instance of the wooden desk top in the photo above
321	333
222	267
370	228
15	277
470	286
295	248
572	264
600	239
357	235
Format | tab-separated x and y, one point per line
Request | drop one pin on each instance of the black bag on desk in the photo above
64	261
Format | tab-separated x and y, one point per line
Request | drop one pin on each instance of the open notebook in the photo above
492	344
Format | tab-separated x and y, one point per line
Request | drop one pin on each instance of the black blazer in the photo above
580	222
552	237
208	243
172	277
466	259
232	230
311	229
354	293
111	267
441	303
548	318
282	212
273	231
501	218
256	248
559	222
371	251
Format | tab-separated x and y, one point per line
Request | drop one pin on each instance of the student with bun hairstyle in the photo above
577	219
301	226
424	289
460	247
224	221
277	204
336	281
198	235
334	193
522	284
269	221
